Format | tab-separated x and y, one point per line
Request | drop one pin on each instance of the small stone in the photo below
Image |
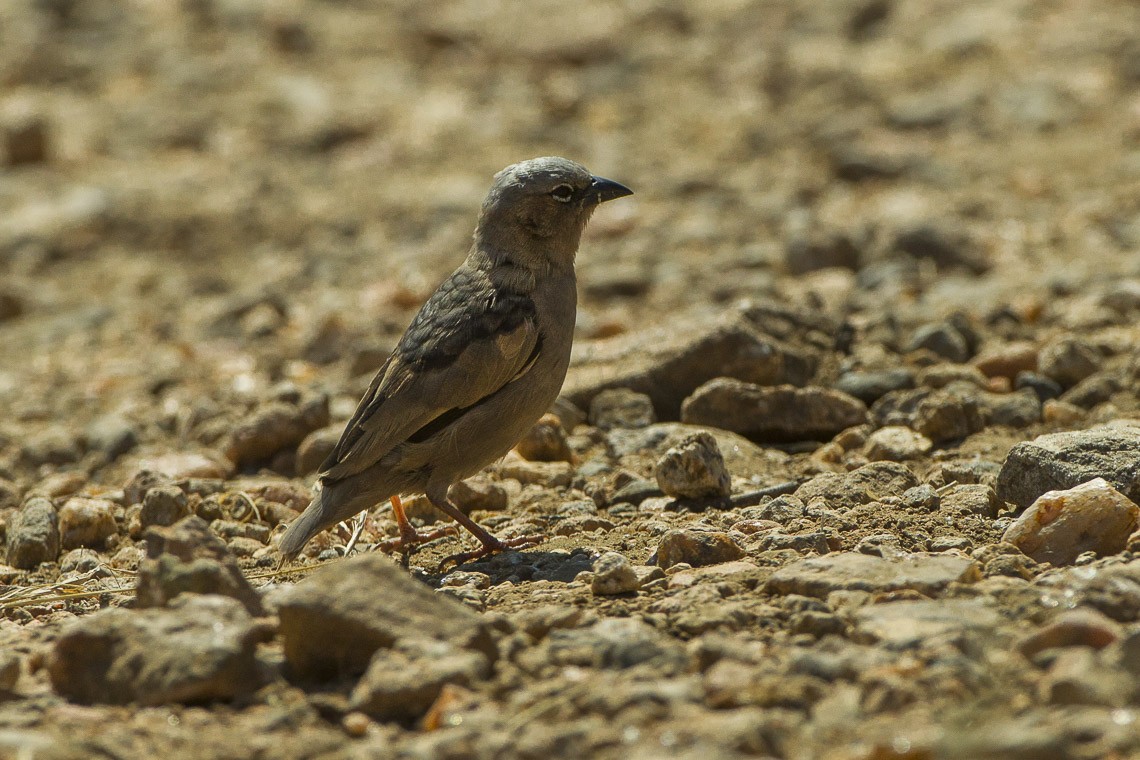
693	469
111	434
545	442
401	684
26	140
356	724
928	574
621	408
944	373
546	474
696	548
1045	388
50	446
765	413
1007	360
478	493
1059	461
33	537
613	574
1061	525
315	448
163	505
86	522
896	443
971	498
1055	412
1068	360
1078	677
201	649
182	465
941	338
869	386
273	427
1081	627
906	624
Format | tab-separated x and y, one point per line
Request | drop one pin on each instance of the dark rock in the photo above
621	408
945	243
334	621
861	486
163	505
1043	387
26	141
402	683
941	338
1094	389
113	435
34	535
1068	360
201	649
188	558
870	385
1059	461
781	413
818	250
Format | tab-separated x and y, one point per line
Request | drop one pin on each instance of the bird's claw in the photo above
408	542
488	548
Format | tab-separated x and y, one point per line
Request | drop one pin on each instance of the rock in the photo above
1045	388
315	448
1059	461
86	522
1078	677
944	373
971	498
275	426
613	574
669	362
615	644
693	469
478	493
621	408
33	537
402	683
546	474
545	442
188	558
945	242
782	413
1007	360
956	411
1113	589
183	465
941	338
1093	390
861	486
818	249
906	624
26	140
111	434
163	505
696	548
1061	525
50	446
333	622
928	574
896	443
869	386
1068	360
1074	628
201	649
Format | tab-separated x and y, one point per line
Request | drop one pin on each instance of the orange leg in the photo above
410	538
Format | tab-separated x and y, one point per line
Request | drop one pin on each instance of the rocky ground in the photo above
877	295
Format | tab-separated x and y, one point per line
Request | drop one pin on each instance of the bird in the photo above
480	363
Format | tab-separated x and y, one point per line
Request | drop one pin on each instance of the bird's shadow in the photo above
523	566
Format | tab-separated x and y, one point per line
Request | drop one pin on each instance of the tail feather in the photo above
326	509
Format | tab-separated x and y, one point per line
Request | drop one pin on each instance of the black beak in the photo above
602	190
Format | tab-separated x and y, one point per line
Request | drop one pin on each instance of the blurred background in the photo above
224	194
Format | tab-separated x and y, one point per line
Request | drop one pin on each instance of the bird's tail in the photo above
324	511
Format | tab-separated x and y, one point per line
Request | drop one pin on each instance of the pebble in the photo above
696	548
870	385
1068	360
545	442
896	443
401	684
621	408
773	413
1061	525
315	448
546	474
1058	461
1081	627
274	426
33	537
942	339
614	574
693	469
86	522
163	505
1007	360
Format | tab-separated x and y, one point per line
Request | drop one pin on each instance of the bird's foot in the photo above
411	539
493	546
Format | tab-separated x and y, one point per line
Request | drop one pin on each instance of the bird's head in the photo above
540	207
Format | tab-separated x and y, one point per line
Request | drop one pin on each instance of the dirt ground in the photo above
913	216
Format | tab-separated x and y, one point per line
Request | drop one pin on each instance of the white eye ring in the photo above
562	193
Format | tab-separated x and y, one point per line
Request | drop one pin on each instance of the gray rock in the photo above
941	338
402	683
850	571
781	413
1061	525
1059	461
693	469
669	362
1044	388
334	621
1079	677
614	643
33	537
1094	389
971	498
10	666
163	505
1068	360
621	408
188	558
1112	589
861	486
614	574
870	385
200	649
86	522
696	548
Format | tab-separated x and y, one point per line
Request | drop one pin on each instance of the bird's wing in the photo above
469	340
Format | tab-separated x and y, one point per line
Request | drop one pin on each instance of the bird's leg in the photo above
410	538
491	545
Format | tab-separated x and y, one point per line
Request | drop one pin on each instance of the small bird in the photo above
483	359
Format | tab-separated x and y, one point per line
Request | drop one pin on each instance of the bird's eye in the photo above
562	193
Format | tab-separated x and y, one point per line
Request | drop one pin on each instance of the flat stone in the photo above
1059	461
1061	525
850	571
200	649
334	621
696	548
906	623
781	413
